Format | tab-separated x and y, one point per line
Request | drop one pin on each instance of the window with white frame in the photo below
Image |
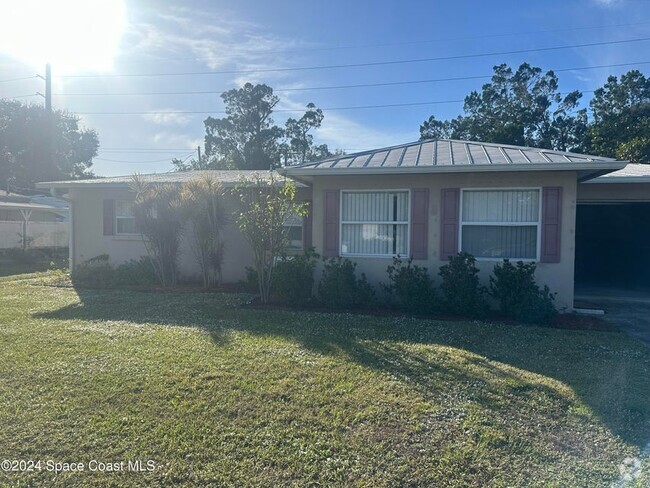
124	218
500	223
374	223
293	226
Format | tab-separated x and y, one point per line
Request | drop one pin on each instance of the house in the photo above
103	222
427	199
35	221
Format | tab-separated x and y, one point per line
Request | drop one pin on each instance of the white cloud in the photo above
339	131
167	117
216	41
176	139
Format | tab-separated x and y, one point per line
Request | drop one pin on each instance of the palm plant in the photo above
204	205
158	216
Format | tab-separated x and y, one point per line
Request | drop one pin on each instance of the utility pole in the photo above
48	90
49	129
198	149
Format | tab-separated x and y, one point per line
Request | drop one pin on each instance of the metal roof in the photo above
226	177
448	155
632	173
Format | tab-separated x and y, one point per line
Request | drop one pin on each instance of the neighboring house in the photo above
426	199
32	221
103	222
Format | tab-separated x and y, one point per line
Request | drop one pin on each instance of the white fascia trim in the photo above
63	184
478	168
619	179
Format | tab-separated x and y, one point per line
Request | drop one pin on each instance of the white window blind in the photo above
124	218
293	224
500	223
375	223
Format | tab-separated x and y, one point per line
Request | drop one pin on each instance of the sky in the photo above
141	57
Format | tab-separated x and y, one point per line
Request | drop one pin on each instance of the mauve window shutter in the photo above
419	223
109	217
449	217
331	230
306	228
551	224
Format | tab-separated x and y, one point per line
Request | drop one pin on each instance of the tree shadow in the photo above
608	372
16	262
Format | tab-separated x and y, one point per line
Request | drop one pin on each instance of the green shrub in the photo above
519	295
339	287
461	288
98	272
94	272
293	279
410	287
138	272
250	284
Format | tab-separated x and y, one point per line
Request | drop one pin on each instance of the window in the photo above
293	225
500	223
374	223
124	218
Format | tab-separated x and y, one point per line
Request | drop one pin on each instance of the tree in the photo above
437	129
621	118
247	138
522	108
159	218
299	146
204	205
25	148
267	203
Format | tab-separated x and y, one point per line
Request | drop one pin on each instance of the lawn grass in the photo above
219	394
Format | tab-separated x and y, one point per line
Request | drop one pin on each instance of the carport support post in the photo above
27	214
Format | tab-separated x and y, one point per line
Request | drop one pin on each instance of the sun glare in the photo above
73	35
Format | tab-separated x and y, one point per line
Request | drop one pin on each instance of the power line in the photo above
221	112
353	107
338	87
21	96
144	149
19	79
235	49
168	160
368	64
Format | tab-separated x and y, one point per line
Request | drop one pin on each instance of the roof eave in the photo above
587	170
77	184
114	184
620	179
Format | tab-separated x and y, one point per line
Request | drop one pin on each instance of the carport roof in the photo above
30	206
449	155
632	173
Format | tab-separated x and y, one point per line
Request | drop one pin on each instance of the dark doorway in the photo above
613	246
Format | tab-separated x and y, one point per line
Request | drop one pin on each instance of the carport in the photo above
613	245
612	250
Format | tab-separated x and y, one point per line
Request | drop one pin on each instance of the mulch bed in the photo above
569	321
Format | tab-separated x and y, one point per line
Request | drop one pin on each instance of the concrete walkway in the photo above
631	311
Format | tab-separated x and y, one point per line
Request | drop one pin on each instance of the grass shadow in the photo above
609	372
